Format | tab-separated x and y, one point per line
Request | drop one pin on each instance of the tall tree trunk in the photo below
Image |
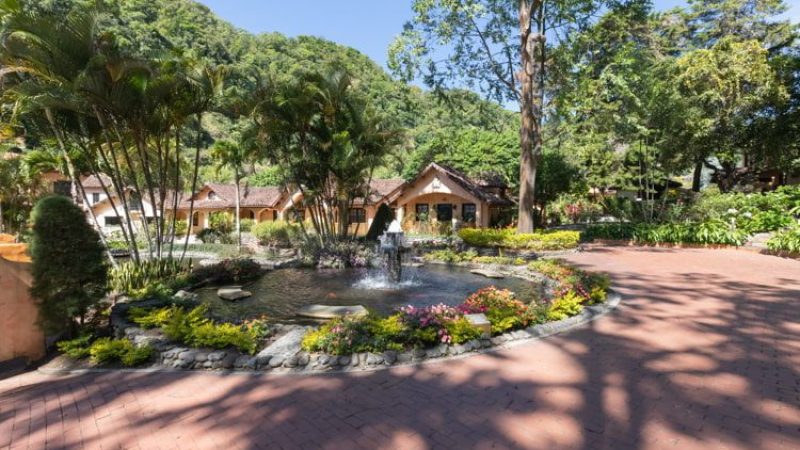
531	114
697	176
238	210
194	183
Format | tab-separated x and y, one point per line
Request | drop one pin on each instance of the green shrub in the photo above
713	231
503	260
76	348
246	225
151	318
68	270
591	287
137	356
615	231
502	310
461	330
450	256
107	350
276	233
220	222
207	236
180	324
222	335
508	238
565	306
233	270
149	278
786	241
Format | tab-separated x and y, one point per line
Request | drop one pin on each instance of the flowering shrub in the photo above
787	240
428	324
500	307
415	326
590	287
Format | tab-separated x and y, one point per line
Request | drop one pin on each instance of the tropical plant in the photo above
69	272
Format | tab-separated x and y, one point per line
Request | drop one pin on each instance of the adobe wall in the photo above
20	336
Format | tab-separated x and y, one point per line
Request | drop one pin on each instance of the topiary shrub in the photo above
383	217
69	271
277	233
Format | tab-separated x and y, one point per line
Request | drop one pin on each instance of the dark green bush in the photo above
276	233
69	271
234	270
383	217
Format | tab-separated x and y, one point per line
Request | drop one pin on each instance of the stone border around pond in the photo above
173	358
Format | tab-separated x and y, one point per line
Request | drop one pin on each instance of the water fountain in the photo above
391	247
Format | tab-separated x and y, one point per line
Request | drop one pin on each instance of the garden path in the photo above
704	352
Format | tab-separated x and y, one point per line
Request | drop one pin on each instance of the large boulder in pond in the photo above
232	293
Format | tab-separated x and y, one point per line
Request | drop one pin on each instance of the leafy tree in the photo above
328	141
69	275
235	155
498	47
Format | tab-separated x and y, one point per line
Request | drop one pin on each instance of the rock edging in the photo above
172	357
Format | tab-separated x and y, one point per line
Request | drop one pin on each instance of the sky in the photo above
366	25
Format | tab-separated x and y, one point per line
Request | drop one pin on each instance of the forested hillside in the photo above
148	27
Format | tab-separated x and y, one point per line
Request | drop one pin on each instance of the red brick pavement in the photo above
704	352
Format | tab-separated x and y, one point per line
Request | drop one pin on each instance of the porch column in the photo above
401	213
479	215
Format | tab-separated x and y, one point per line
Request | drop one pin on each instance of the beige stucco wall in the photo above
20	336
434	188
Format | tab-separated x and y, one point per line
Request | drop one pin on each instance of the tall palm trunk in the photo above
238	210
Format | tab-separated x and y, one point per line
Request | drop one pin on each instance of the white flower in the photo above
733	211
748	215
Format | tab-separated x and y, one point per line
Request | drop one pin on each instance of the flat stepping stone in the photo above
331	312
415	264
488	273
232	293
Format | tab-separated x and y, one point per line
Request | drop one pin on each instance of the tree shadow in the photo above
691	358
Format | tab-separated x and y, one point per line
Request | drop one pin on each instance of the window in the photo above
212	195
358	215
274	215
135	202
444	212
95	197
112	221
468	212
196	219
423	211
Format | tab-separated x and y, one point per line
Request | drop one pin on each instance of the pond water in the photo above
280	293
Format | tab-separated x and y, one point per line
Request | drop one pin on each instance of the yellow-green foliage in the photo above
151	318
504	260
76	348
193	328
222	335
568	305
508	238
461	330
450	256
106	350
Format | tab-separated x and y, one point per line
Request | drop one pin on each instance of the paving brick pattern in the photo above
703	353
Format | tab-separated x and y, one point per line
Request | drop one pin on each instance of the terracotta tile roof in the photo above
93	182
251	197
470	186
379	189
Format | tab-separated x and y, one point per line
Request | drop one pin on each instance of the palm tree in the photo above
235	155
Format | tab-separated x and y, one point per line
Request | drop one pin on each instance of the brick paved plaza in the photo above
703	352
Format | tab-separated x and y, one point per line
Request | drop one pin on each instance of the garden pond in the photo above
279	294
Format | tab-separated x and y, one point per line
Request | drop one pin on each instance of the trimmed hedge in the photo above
508	238
708	232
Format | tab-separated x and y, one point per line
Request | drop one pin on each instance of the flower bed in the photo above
413	327
175	333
